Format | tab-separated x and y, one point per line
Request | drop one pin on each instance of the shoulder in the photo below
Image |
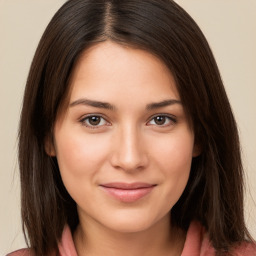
65	246
28	252
198	243
245	248
21	252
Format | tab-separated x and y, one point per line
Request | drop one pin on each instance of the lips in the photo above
128	192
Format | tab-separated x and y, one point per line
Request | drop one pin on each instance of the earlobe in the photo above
49	147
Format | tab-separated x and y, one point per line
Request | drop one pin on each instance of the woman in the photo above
128	145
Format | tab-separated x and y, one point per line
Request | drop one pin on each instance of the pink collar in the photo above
196	244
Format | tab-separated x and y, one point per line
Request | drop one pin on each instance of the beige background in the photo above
229	25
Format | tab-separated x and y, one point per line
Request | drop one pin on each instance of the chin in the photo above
129	226
131	222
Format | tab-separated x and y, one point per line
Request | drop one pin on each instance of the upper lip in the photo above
124	185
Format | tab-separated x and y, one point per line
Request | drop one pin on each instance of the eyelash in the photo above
172	120
87	118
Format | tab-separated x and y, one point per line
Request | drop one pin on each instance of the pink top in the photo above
196	244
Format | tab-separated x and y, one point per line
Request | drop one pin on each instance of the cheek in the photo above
79	156
174	160
176	151
74	149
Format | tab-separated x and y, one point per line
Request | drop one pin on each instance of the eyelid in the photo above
172	118
83	118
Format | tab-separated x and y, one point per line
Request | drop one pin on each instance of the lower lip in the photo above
128	195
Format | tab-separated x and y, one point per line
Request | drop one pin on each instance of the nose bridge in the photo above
129	152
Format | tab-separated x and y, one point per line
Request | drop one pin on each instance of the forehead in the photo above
115	68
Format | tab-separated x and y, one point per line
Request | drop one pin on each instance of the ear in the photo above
49	146
197	150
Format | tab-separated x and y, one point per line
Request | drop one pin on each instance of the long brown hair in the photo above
214	193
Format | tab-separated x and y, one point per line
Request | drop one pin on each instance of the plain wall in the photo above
230	27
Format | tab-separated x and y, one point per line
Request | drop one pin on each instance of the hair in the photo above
214	192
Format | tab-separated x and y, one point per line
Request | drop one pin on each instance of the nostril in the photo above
129	162
128	153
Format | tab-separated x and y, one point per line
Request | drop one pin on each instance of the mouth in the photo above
128	192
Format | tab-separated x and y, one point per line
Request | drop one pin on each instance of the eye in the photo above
94	121
162	120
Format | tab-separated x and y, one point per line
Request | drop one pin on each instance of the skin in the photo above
124	142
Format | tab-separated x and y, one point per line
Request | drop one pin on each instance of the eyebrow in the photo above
105	105
92	103
162	104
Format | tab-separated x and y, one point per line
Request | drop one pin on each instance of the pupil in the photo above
160	120
94	120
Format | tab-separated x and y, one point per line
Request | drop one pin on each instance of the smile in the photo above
128	192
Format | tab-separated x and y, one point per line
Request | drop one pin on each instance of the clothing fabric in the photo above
196	244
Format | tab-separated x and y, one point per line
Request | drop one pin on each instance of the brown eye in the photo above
94	121
160	120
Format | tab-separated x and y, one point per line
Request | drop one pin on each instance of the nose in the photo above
129	152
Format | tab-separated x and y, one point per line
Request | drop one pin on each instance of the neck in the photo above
93	239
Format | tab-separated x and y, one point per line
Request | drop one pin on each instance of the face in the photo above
123	145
